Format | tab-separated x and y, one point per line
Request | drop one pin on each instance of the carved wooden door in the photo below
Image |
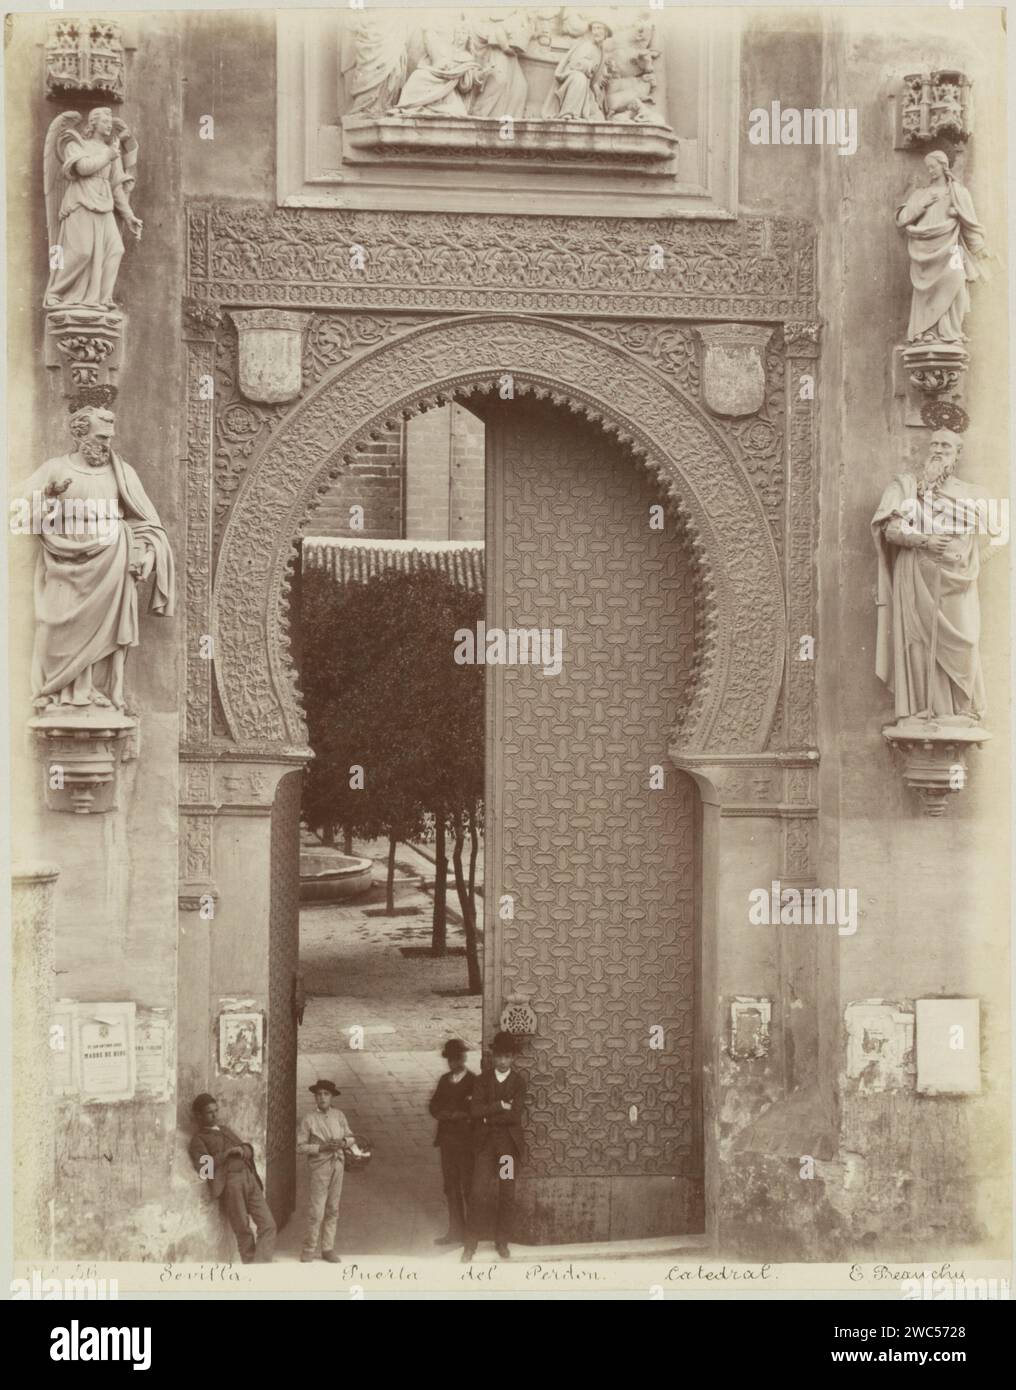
599	860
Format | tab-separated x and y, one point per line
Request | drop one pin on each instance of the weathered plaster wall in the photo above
897	1173
115	900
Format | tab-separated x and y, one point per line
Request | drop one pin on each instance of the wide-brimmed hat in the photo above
328	1086
454	1047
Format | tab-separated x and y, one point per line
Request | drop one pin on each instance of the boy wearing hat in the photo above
499	1096
323	1135
228	1163
450	1107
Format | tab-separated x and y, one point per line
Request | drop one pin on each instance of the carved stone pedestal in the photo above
931	373
81	750
637	148
932	755
86	344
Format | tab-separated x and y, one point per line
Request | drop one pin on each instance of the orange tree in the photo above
383	692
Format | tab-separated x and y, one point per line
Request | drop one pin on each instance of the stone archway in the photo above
740	650
739	668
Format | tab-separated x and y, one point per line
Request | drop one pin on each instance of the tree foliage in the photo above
383	692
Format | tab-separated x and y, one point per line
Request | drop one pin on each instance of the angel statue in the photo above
89	170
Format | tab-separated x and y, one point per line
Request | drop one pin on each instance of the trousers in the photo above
243	1201
492	1202
457	1174
323	1205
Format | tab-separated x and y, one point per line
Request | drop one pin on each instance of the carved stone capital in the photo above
87	345
777	786
802	339
932	755
733	367
936	369
270	353
81	751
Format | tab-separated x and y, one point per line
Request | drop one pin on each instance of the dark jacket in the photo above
450	1107
213	1143
492	1121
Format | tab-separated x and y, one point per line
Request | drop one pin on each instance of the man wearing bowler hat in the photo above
323	1135
496	1106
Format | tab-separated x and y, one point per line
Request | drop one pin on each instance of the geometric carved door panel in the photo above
601	864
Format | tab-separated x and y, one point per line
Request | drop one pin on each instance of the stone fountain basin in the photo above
329	877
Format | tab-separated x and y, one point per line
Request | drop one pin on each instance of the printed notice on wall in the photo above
106	1051
151	1041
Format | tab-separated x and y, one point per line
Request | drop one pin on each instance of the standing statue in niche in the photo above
944	239
499	43
929	617
449	74
89	171
580	79
106	538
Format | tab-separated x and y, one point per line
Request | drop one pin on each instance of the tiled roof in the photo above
355	561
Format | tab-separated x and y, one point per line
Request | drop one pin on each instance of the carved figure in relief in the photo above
89	171
86	606
440	85
944	239
580	79
373	64
499	44
926	535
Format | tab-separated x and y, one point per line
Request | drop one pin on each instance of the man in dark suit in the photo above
497	1103
227	1162
450	1107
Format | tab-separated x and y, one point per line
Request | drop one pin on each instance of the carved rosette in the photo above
932	756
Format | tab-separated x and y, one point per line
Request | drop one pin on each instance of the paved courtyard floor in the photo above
356	976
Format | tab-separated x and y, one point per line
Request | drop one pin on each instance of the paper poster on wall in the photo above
61	1050
151	1056
241	1043
105	1043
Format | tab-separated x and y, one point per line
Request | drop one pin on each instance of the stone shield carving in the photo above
733	367
270	353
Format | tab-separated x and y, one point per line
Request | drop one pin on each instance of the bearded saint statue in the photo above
929	616
86	604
